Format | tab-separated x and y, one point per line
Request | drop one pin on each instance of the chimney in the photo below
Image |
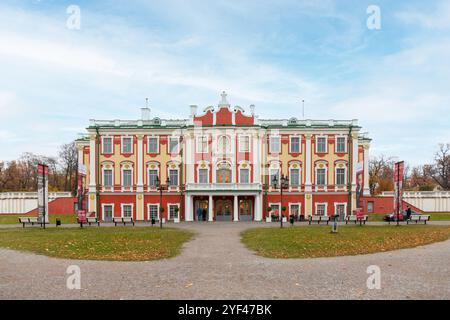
145	114
193	110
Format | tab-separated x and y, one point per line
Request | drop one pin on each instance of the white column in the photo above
210	209
354	159
236	209
140	167
366	171
92	162
258	212
188	216
308	161
256	159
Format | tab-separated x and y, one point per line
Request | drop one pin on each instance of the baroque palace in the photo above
223	165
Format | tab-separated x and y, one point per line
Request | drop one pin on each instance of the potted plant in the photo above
283	210
268	218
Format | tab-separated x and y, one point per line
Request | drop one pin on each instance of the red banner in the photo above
399	168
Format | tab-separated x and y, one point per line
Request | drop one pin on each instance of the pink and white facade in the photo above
223	161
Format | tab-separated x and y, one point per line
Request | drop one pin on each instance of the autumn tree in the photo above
439	171
381	176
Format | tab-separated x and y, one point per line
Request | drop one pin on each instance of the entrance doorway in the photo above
245	210
201	210
223	209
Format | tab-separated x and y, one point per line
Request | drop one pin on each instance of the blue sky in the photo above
395	80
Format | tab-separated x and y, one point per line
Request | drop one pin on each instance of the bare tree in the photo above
440	169
68	156
381	174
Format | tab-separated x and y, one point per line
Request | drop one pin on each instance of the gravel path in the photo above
215	265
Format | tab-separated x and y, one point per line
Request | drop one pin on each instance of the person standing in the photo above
204	214
408	213
199	214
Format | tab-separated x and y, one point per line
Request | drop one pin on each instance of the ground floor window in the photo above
340	209
321	209
153	212
370	207
173	211
275	209
107	212
295	209
127	210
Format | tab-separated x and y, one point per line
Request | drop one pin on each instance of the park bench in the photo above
91	220
30	220
319	219
355	218
123	220
418	218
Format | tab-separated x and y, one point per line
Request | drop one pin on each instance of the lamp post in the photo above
160	187
284	181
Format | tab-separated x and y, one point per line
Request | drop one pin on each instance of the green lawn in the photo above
65	218
311	242
112	244
438	216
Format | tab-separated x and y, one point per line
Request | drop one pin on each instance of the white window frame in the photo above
336	144
103	210
157	211
178	177
112	177
271	145
240	175
241	144
198	174
149	186
299	177
122	211
178	144
122	176
199	144
336	175
299	144
228	142
168	211
122	144
336	204
299	204
157	144
103	145
326	208
326	144
326	176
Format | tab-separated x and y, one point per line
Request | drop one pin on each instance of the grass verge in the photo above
14	219
312	242
112	244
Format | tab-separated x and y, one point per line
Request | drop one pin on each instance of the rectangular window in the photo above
202	144
127	146
127	178
244	144
321	145
173	145
370	207
202	175
127	210
153	212
340	210
295	177
295	144
153	146
173	211
340	144
244	176
321	177
295	209
107	145
173	178
275	209
321	209
340	176
107	178
274	175
107	212
274	144
152	176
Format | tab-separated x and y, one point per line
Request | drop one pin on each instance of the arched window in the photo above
223	146
223	172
